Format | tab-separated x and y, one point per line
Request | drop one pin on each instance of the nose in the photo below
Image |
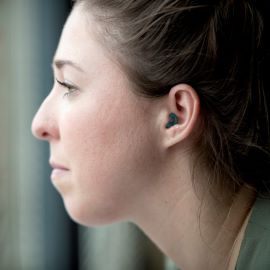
44	124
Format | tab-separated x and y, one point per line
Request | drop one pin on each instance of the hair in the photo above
216	47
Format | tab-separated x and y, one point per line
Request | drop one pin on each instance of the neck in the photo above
195	233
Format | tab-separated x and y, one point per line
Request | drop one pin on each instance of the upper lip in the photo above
56	165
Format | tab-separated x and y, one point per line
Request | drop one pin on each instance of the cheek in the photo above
110	157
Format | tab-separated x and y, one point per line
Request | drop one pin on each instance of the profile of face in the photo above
102	139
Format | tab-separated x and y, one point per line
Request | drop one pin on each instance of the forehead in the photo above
74	29
80	45
78	42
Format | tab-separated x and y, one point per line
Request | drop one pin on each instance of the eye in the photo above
69	87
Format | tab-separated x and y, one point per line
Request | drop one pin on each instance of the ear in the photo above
184	102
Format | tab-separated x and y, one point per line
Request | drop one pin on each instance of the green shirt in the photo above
255	248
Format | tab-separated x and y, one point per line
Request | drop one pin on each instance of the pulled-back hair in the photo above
214	46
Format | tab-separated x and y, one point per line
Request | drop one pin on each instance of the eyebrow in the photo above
61	63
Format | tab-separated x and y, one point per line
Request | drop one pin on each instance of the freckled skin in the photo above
103	133
121	163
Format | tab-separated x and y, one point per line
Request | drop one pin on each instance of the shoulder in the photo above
255	248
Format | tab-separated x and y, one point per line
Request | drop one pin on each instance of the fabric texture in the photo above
255	248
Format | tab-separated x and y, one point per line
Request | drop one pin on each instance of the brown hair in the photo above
214	46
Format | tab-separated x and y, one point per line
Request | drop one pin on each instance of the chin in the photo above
91	216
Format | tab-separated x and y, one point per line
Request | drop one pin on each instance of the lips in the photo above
58	170
55	165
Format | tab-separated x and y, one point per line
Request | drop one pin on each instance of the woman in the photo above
158	116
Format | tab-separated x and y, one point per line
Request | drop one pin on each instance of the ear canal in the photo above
173	120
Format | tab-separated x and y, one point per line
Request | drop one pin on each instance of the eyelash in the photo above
70	88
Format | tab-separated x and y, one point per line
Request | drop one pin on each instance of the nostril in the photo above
44	135
39	132
43	130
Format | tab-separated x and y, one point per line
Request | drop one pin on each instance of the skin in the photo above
113	159
95	132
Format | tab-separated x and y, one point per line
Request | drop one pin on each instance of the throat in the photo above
196	236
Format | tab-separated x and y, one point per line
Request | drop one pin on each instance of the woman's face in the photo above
103	147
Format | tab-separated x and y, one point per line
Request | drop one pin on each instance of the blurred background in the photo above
35	232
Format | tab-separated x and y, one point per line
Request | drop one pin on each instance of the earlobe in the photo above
182	114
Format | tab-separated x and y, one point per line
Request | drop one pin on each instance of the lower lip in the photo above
58	173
